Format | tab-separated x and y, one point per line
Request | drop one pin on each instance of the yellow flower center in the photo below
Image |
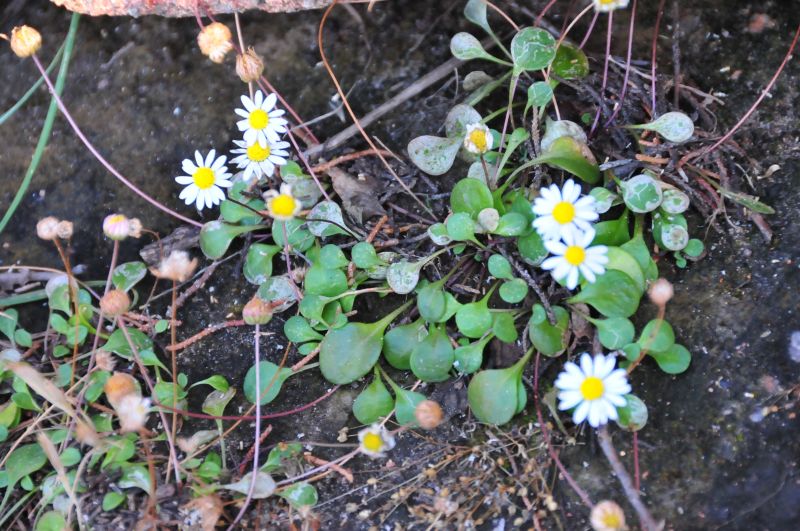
283	205
564	212
575	255
257	153
592	388
478	138
204	178
117	218
259	119
372	442
608	2
611	520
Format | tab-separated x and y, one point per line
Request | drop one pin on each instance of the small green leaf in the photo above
475	12
466	47
118	344
321	280
364	256
216	381
279	454
621	260
300	495
405	404
271	379
51	521
438	234
263	487
294	232
532	49
570	62
23	461
258	262
614	333
612	231
504	328
567	154
403	276
433	357
550	340
400	341
374	402
298	330
331	221
513	291
70	457
614	294
470	196
675	360
657	336
499	267
633	415
461	227
604	199
512	224
469	357
474	319
216	401
641	193
126	276
494	395
216	237
694	248
432	154
674	201
673	126
532	249
539	94
112	500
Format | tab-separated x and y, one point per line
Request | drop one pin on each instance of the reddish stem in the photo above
653	57
605	72
636	460
627	66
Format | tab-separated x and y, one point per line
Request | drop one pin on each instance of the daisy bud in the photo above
249	66
132	411
115	303
176	267
257	311
607	516
25	41
116	227
47	228
64	230
428	414
104	360
215	41
120	385
660	292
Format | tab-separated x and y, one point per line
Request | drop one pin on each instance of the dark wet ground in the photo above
722	444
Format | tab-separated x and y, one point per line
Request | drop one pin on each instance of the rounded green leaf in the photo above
258	262
432	303
539	94
432	154
325	219
333	257
298	330
403	276
532	249
271	379
320	280
405	404
657	336
474	319
550	340
614	294
614	333
469	358
125	276
470	196
495	395
51	521
438	234
460	227
300	495
279	291
694	248
112	500
621	260
500	267
400	341
532	49
466	46
433	357
674	237
348	353
298	234
603	199
216	237
364	256
457	120
641	193
570	62
633	415
674	360
504	328
373	403
513	291
673	126
674	201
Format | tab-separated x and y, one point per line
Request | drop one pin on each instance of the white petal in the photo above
247	103
259	98
569	399
586	364
189	194
198	158
596	414
188	167
572	278
184	180
610	410
250	136
198	203
580	413
210	158
563	269
243	125
243	113
269	101
570	191
555	247
587	273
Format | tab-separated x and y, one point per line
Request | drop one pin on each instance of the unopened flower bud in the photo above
115	303
25	41
660	292
428	414
116	227
607	516
257	311
215	41
64	230
47	228
120	385
249	66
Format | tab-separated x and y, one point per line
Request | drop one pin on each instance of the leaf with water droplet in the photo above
433	154
641	193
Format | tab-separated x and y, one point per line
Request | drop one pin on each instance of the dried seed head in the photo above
215	41
104	360
607	516
115	303
257	311
64	230
176	267
428	414
135	228
47	228
132	411
120	385
249	66
25	41
661	292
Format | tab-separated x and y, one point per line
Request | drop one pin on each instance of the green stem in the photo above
386	321
47	128
25	97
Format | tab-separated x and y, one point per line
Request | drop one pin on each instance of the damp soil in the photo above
721	447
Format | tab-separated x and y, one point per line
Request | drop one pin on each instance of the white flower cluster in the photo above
258	153
564	221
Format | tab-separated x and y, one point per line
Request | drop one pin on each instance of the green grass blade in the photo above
25	97
44	137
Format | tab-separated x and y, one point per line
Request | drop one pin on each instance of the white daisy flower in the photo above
132	411
574	258
559	211
605	6
595	389
375	440
262	120
282	205
204	180
259	159
479	139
